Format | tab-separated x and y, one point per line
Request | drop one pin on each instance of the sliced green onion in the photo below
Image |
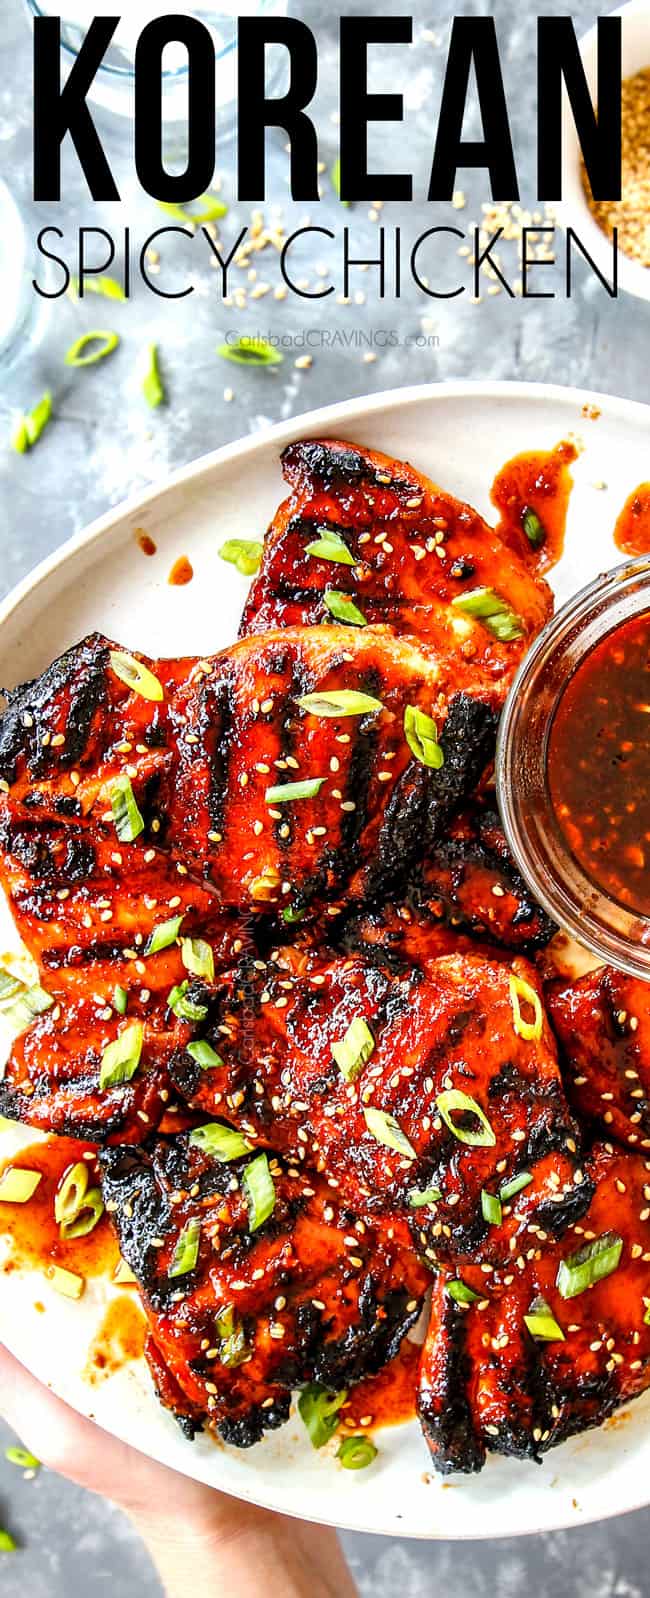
331	546
120	1000
127	820
387	1130
356	1453
251	352
90	1213
67	1283
339	702
221	1142
461	1293
589	1265
541	1323
343	609
495	613
318	1409
259	1192
335	180
204	1054
7	1543
71	1192
421	736
212	210
533	528
186	1252
515	1185
454	1099
244	553
233	1341
522	991
284	792
19	440
491	1208
184	1008
22	1458
21	1008
123	1274
28	428
106	342
10	987
121	1058
421	1196
163	935
646	1312
108	287
18	1185
354	1050
198	958
136	676
152	386
291	915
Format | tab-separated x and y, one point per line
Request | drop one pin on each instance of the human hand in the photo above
194	1534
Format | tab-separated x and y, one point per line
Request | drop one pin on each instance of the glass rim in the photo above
579	906
128	72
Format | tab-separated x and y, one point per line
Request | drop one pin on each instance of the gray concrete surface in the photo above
104	444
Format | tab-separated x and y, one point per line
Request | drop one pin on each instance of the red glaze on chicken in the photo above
412	549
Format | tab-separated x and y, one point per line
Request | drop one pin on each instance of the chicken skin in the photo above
239	1317
368	1106
490	1382
88	909
602	1022
409	551
269	794
465	894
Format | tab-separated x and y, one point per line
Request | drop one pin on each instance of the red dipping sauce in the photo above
598	764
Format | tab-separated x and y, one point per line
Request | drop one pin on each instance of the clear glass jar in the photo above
22	313
113	89
614	933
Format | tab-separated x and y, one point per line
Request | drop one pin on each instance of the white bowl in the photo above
574	210
461	433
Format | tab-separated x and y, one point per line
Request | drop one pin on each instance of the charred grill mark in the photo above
467	740
557	1218
76	678
445	1415
329	468
361	767
221	734
402	831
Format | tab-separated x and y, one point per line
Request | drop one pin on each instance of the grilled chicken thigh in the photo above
268	900
87	908
603	1025
273	796
352	1070
409	551
240	1317
490	1382
467	883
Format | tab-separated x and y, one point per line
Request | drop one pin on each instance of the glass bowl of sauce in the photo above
573	767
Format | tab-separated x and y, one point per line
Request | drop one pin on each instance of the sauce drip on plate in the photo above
32	1231
632	531
387	1399
181	573
537	482
119	1340
599	764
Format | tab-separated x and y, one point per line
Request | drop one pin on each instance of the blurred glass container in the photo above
114	85
21	310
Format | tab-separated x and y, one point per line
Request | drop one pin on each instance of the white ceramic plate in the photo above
460	434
